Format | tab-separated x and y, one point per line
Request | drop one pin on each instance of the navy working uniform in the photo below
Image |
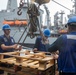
66	44
39	44
7	42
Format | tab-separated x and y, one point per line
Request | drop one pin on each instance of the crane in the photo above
33	13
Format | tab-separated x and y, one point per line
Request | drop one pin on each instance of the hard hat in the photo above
72	20
6	26
46	32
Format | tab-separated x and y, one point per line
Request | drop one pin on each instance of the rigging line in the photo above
61	5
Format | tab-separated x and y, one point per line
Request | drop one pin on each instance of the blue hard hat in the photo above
6	26
72	20
46	32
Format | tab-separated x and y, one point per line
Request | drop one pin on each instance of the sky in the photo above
52	7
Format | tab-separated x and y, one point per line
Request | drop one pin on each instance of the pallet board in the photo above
37	61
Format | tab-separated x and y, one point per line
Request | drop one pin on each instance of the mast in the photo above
75	5
47	16
56	18
12	4
61	22
73	11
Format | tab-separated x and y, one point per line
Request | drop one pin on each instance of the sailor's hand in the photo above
35	49
55	55
14	46
19	47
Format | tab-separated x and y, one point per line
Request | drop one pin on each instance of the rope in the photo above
33	19
34	22
33	13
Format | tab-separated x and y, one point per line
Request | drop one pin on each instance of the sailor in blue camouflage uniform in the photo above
39	44
7	43
66	45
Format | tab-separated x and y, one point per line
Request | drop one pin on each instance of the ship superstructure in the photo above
18	24
10	14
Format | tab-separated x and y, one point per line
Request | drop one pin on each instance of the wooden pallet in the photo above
36	61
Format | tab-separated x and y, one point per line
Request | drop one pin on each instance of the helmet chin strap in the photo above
7	35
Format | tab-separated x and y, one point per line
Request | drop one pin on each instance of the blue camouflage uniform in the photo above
40	46
7	42
66	44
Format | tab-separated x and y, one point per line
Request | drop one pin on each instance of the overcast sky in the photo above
52	6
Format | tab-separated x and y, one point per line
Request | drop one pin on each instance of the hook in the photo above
19	12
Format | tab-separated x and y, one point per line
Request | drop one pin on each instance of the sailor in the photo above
66	45
7	43
40	45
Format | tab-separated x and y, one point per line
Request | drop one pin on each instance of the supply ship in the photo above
19	22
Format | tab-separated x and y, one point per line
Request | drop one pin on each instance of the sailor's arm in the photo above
36	44
56	45
4	47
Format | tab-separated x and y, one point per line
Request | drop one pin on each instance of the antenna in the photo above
61	22
56	19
